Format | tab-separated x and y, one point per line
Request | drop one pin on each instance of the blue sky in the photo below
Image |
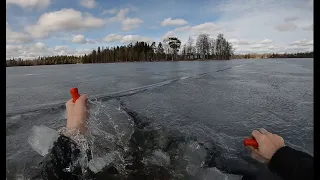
55	27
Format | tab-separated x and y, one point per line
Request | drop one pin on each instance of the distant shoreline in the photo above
205	48
158	61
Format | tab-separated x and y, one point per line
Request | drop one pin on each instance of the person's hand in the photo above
268	145
77	113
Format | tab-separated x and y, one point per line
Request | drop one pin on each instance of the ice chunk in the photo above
42	139
194	146
162	157
192	169
157	158
98	163
195	154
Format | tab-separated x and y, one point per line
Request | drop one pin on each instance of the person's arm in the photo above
63	160
288	163
292	164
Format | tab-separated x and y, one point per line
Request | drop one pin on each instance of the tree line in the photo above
204	47
274	55
168	50
293	55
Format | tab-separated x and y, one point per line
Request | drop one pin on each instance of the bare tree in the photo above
212	46
166	47
153	50
190	47
160	51
229	50
223	49
203	44
184	51
218	46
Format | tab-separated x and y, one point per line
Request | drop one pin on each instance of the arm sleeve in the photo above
58	164
63	161
291	164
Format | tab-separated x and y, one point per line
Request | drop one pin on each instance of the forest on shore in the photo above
205	48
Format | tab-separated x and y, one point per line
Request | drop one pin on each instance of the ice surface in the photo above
42	139
214	173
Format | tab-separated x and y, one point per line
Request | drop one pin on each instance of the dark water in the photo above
195	114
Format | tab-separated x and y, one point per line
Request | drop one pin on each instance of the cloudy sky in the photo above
55	27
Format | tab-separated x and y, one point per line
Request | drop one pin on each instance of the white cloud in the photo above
239	42
60	48
80	39
120	16
126	39
244	42
296	46
16	37
21	51
250	25
286	27
112	37
271	47
281	21
173	22
207	28
39	46
292	18
176	32
39	4
180	29
299	46
122	13
233	41
184	32
63	20
308	28
11	50
134	38
131	23
127	23
303	42
109	11
255	46
88	3
31	51
266	41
